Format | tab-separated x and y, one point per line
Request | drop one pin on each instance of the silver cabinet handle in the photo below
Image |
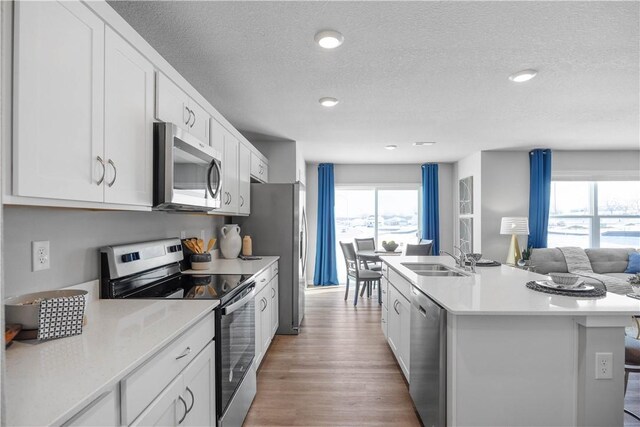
188	118
193	400
241	201
194	119
230	198
273	293
263	280
265	304
104	170
185	409
115	173
395	306
185	353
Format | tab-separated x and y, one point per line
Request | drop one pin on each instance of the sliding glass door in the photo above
389	212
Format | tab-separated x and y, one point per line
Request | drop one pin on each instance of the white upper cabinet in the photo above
244	180
173	105
199	124
216	135
128	123
230	174
58	101
259	168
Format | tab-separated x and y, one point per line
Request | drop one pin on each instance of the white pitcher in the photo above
230	242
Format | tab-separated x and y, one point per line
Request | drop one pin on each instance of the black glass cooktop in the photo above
222	287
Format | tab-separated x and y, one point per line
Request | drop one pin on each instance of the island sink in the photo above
435	270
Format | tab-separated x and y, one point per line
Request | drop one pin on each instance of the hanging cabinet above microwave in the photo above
175	106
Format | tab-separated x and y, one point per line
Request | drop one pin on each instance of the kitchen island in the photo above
510	355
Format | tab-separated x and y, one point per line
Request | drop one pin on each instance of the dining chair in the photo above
368	244
420	249
360	275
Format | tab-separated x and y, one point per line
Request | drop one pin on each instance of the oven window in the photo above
190	173
237	348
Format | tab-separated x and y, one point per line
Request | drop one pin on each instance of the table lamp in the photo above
514	226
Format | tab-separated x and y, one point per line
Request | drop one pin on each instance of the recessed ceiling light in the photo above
391	147
328	101
523	76
422	144
329	39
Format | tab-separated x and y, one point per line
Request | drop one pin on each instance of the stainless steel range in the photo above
152	270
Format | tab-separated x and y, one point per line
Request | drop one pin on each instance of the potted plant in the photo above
526	257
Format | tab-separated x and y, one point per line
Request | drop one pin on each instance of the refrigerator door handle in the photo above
306	241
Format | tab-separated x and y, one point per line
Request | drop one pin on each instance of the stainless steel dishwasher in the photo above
428	359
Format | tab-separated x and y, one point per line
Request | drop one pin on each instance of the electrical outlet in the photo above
40	255
604	368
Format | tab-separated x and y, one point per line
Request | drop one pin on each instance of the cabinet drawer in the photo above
162	368
400	283
262	279
274	269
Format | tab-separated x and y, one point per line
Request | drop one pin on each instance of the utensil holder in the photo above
200	261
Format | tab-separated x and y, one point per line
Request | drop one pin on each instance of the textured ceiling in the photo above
410	71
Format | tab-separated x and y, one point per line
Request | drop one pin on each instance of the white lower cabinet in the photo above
398	327
275	306
104	411
165	410
267	314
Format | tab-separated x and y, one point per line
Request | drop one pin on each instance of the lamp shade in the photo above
514	225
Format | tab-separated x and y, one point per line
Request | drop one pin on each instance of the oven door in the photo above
188	172
237	343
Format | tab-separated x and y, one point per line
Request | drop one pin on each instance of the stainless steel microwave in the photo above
186	172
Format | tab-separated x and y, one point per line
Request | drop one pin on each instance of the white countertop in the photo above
46	383
502	291
237	266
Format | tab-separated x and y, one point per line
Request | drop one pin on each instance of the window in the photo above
384	213
602	214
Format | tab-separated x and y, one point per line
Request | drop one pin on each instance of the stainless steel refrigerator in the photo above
278	226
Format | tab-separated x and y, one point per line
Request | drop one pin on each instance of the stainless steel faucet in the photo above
461	261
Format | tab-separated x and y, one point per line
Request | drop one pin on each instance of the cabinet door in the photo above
265	171
167	409
230	173
216	135
394	320
405	331
384	322
58	101
199	392
256	167
259	304
275	307
172	104
128	123
199	124
244	180
265	321
104	411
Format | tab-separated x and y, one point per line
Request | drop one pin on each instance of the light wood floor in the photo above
339	371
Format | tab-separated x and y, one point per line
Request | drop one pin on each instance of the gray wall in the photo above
380	174
501	187
75	235
282	159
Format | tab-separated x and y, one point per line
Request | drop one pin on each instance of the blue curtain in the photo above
430	210
539	197
326	272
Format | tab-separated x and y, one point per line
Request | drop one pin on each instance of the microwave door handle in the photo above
212	192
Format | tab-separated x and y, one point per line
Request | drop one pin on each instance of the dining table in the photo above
374	256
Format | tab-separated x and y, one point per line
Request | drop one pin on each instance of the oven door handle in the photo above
238	304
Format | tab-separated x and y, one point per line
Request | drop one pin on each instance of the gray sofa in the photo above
610	261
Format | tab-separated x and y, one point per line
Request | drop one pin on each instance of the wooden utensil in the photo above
210	244
10	332
200	244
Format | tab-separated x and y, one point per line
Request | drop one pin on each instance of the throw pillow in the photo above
634	263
